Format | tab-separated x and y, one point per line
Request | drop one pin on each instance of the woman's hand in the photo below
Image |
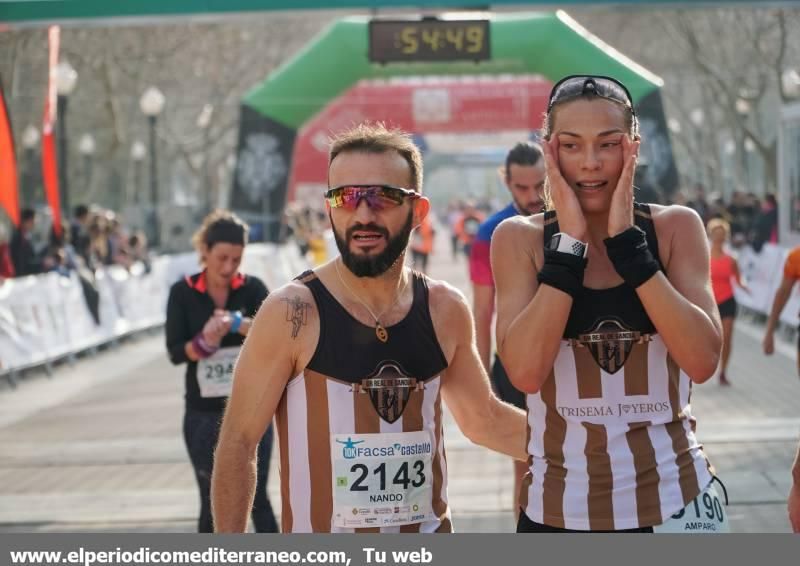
620	216
570	216
768	344
217	327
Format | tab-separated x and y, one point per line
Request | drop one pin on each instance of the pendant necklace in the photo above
380	330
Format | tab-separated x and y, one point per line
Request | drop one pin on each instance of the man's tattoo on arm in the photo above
296	313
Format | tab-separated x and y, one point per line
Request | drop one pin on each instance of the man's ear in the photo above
422	206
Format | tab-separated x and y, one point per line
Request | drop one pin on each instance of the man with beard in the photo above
354	359
524	176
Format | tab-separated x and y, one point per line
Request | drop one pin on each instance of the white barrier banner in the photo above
20	333
46	317
761	272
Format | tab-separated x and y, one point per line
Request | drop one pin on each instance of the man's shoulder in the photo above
443	296
293	291
290	303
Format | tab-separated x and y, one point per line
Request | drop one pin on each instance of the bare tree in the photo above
196	65
726	62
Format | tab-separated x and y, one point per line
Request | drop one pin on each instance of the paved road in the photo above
97	446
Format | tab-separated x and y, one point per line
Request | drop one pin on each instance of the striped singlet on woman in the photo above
611	434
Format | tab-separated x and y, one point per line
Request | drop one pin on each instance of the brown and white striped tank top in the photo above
611	438
356	385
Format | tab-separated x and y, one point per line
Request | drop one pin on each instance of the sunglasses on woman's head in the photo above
378	197
574	86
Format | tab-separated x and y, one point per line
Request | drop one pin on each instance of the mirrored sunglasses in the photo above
378	197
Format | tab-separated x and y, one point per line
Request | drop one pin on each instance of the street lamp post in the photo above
674	126
30	139
86	146
730	169
749	150
152	103
203	122
66	80
698	117
790	83
138	153
743	109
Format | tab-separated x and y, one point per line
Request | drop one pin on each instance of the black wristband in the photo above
563	271
631	257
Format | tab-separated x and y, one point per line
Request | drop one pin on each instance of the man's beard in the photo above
372	266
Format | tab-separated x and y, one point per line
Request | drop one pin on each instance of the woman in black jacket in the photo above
208	317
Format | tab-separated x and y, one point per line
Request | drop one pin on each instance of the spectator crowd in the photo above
94	237
753	219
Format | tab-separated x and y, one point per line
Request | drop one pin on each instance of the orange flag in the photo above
9	190
49	159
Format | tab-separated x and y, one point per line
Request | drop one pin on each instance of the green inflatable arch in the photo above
549	44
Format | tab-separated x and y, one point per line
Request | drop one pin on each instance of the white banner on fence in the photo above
46	317
762	273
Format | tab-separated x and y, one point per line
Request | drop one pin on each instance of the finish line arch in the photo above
548	44
422	105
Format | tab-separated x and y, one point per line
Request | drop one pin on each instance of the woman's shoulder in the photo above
185	282
180	291
520	225
680	231
674	218
673	210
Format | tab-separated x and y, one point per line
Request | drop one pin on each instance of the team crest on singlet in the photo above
610	343
389	389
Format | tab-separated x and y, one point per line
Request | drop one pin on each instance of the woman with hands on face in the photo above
606	330
208	317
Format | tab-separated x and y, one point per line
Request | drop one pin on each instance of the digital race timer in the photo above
428	40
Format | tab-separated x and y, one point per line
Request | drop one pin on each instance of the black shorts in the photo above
525	525
502	386
727	309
